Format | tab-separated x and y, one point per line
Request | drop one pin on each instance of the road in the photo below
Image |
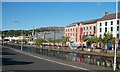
12	60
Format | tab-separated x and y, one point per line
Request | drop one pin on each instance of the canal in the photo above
100	60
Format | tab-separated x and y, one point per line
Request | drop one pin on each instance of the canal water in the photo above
105	61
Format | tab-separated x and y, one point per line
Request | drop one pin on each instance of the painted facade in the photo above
95	27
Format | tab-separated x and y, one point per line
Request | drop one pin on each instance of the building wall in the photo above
78	30
58	35
88	29
71	32
108	27
74	32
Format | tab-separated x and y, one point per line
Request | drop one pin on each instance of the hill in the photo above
29	32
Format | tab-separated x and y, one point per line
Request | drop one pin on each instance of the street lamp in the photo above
115	58
116	40
21	36
45	34
54	37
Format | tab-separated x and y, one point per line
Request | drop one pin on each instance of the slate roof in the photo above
110	16
90	21
107	17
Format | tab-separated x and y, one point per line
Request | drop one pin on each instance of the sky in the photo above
28	15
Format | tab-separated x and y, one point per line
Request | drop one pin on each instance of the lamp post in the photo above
45	34
116	40
54	37
116	45
21	46
21	40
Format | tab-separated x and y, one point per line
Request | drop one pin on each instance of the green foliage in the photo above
50	40
112	41
16	32
92	39
39	41
58	40
84	38
65	39
107	36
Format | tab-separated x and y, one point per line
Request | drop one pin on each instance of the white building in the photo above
94	27
16	38
109	24
89	27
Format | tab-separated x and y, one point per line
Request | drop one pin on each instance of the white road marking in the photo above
50	60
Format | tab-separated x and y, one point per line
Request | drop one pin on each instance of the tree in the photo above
100	40
112	41
84	38
106	38
50	40
58	40
39	41
65	39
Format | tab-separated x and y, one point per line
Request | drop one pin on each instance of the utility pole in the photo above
54	37
21	46
116	40
22	39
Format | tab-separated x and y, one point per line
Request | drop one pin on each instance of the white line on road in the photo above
49	60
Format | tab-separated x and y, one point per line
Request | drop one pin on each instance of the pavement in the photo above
15	60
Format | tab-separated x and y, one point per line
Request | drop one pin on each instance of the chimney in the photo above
106	13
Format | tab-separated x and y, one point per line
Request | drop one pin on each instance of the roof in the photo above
90	21
107	17
110	16
70	25
84	22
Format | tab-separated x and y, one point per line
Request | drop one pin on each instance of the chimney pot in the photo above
106	13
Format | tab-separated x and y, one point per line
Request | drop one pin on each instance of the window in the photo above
111	28
105	29
73	29
117	22
90	33
90	27
100	35
100	24
117	35
100	29
86	33
117	28
111	22
105	23
87	28
84	28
